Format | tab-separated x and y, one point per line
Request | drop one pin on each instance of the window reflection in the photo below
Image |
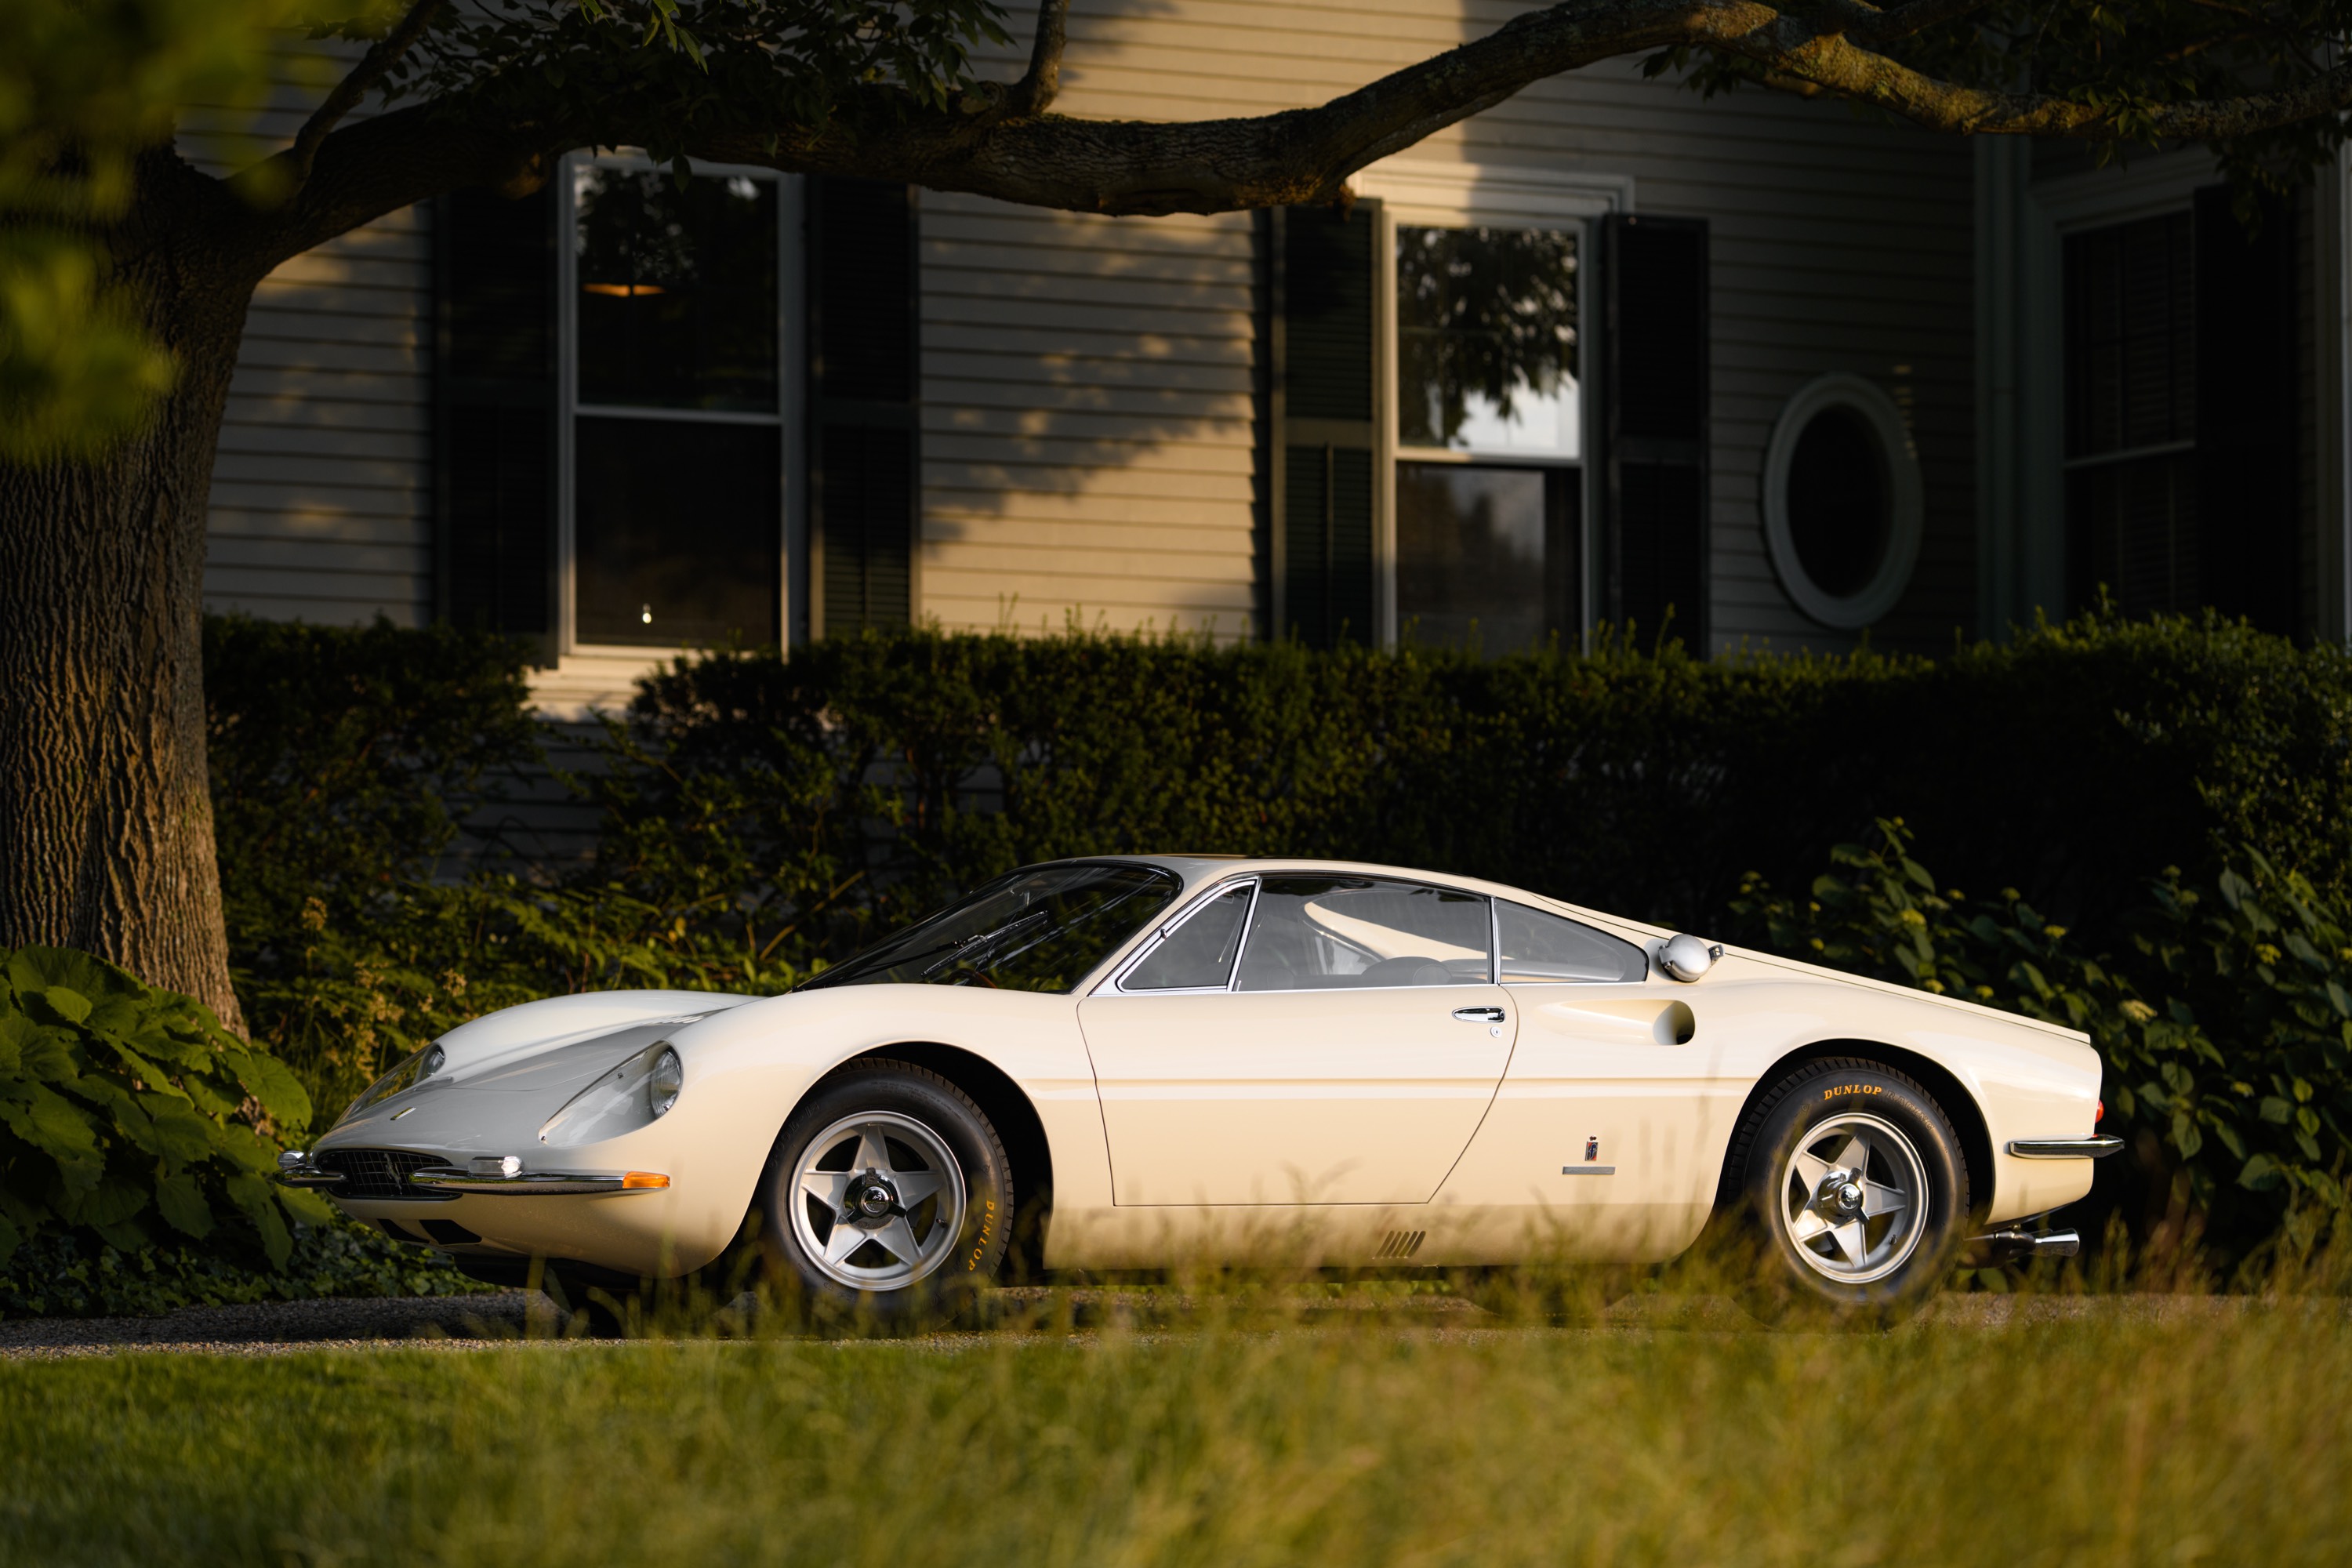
1486	340
677	289
675	529
1486	556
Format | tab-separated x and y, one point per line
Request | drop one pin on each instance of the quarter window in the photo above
1199	955
1543	949
1322	932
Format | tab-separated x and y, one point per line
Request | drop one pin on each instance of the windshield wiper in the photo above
971	946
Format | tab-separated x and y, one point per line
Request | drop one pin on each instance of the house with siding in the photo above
1749	371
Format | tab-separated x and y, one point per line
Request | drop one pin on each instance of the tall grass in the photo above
2134	1431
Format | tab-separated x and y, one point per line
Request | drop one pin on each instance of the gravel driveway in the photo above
277	1327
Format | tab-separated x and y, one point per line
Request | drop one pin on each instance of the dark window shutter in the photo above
864	380
2246	387
1654	449
1323	406
495	406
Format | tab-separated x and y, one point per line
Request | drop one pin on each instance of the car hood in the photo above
524	1063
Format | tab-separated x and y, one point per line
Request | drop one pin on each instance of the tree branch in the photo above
381	55
1038	87
1837	66
1304	155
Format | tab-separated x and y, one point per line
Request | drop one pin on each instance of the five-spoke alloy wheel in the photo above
1856	1180
888	1191
880	1201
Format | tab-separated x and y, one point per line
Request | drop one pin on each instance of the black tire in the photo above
959	1255
1909	1150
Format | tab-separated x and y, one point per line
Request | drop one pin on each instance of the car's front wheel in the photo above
890	1194
1854	1181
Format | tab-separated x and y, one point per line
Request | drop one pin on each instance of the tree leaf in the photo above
182	1134
61	1004
279	1092
182	1204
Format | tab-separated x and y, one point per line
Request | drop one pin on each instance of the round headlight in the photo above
664	1083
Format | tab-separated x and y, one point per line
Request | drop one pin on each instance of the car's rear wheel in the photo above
1854	1180
888	1193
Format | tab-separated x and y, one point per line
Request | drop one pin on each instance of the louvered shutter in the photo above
1323	406
1654	455
2246	388
495	410
864	380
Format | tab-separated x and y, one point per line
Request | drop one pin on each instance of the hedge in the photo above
762	816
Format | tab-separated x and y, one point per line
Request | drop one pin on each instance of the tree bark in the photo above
106	825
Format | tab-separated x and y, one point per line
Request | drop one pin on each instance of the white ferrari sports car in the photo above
1156	1060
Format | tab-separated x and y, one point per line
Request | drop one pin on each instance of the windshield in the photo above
1044	929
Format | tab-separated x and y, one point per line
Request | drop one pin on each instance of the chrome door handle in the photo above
1479	1015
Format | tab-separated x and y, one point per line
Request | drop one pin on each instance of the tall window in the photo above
1489	429
2131	414
677	453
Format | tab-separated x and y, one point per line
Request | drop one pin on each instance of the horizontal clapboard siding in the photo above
1836	245
1088	449
322	496
1088	385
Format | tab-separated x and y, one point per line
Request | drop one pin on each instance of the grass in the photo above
2221	1434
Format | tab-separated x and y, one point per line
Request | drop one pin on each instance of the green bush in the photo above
2225	1021
810	800
76	1276
130	1113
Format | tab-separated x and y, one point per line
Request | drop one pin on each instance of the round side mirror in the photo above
1686	957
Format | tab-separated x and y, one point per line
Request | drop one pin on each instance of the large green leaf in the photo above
44	968
109	1202
255	1197
56	1004
182	1204
182	1134
278	1091
56	1126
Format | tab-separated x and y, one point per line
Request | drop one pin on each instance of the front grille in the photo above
381	1173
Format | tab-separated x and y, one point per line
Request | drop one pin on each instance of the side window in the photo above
1539	948
1199	954
1318	933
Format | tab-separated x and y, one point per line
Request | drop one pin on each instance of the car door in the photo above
1610	1123
1345	1057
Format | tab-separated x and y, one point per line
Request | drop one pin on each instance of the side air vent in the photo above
1401	1244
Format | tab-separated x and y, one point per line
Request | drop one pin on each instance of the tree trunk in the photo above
106	823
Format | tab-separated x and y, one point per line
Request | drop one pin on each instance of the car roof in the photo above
1198	870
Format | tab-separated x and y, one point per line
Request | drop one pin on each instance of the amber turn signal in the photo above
638	1181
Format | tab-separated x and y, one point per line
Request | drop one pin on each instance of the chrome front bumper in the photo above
500	1174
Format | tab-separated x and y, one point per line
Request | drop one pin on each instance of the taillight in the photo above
2099	1115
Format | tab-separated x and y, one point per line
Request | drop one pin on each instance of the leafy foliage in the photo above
68	1275
84	88
345	759
2128	60
2225	1019
763	68
131	1113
